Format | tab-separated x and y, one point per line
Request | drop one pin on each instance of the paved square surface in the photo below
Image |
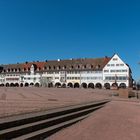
118	120
22	100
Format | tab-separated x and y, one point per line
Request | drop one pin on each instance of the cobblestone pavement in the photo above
21	100
118	120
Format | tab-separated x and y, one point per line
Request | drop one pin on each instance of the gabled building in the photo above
117	73
86	73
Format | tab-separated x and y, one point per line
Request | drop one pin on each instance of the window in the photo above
56	77
124	70
78	72
78	67
106	70
115	59
56	72
116	78
113	78
62	72
118	70
112	70
106	78
124	78
91	66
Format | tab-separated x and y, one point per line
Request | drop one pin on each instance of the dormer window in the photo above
78	67
58	68
98	66
64	67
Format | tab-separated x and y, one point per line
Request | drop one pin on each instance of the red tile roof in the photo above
39	65
97	63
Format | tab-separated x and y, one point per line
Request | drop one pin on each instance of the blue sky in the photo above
33	30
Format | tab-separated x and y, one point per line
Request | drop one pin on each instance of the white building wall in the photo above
116	68
73	77
51	77
31	78
92	77
2	79
12	78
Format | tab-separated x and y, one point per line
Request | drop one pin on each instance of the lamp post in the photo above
116	81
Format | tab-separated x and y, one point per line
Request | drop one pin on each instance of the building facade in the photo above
104	72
